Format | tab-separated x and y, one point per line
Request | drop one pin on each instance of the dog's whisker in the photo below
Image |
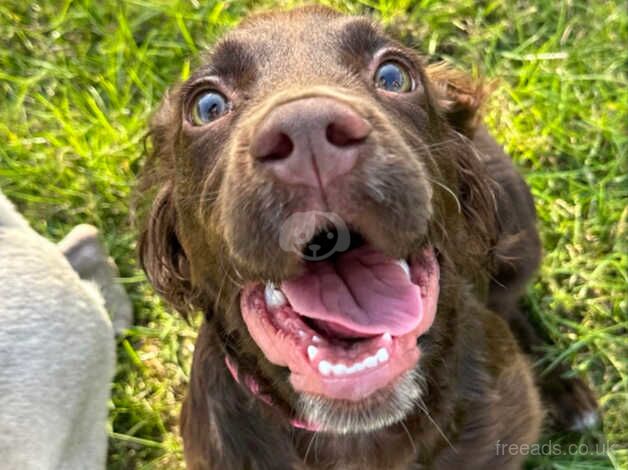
449	191
425	411
405	428
307	451
219	294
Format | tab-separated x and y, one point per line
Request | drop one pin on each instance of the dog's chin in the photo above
379	410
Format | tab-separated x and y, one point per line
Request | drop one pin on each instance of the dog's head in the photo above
313	188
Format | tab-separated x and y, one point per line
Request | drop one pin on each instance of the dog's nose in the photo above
310	141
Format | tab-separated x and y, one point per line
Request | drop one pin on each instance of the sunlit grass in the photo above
79	79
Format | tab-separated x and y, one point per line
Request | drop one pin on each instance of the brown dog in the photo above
356	240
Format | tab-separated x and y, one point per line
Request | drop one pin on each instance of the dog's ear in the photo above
458	96
160	252
459	99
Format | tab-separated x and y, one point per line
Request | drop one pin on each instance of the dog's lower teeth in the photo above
340	370
273	296
324	367
370	362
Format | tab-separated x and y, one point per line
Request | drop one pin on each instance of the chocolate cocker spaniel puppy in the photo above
358	245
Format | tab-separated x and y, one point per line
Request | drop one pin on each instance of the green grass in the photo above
79	79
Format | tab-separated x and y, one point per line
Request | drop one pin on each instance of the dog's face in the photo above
315	192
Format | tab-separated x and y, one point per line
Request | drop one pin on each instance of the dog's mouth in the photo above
348	325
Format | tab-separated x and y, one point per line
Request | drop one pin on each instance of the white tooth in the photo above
324	367
353	369
339	369
386	337
382	355
316	339
370	362
274	297
403	264
359	366
311	352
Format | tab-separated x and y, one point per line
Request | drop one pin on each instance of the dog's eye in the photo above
209	106
393	77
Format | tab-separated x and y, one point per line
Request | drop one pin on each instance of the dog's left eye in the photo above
209	106
393	77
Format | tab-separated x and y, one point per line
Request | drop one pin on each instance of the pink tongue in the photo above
363	291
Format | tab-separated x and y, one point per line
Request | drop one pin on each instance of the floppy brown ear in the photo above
160	252
459	97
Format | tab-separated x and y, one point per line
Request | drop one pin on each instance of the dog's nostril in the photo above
345	132
337	136
281	148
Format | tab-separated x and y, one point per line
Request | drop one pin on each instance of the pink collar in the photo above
254	388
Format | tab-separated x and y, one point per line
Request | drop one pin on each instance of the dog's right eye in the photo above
393	77
209	106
